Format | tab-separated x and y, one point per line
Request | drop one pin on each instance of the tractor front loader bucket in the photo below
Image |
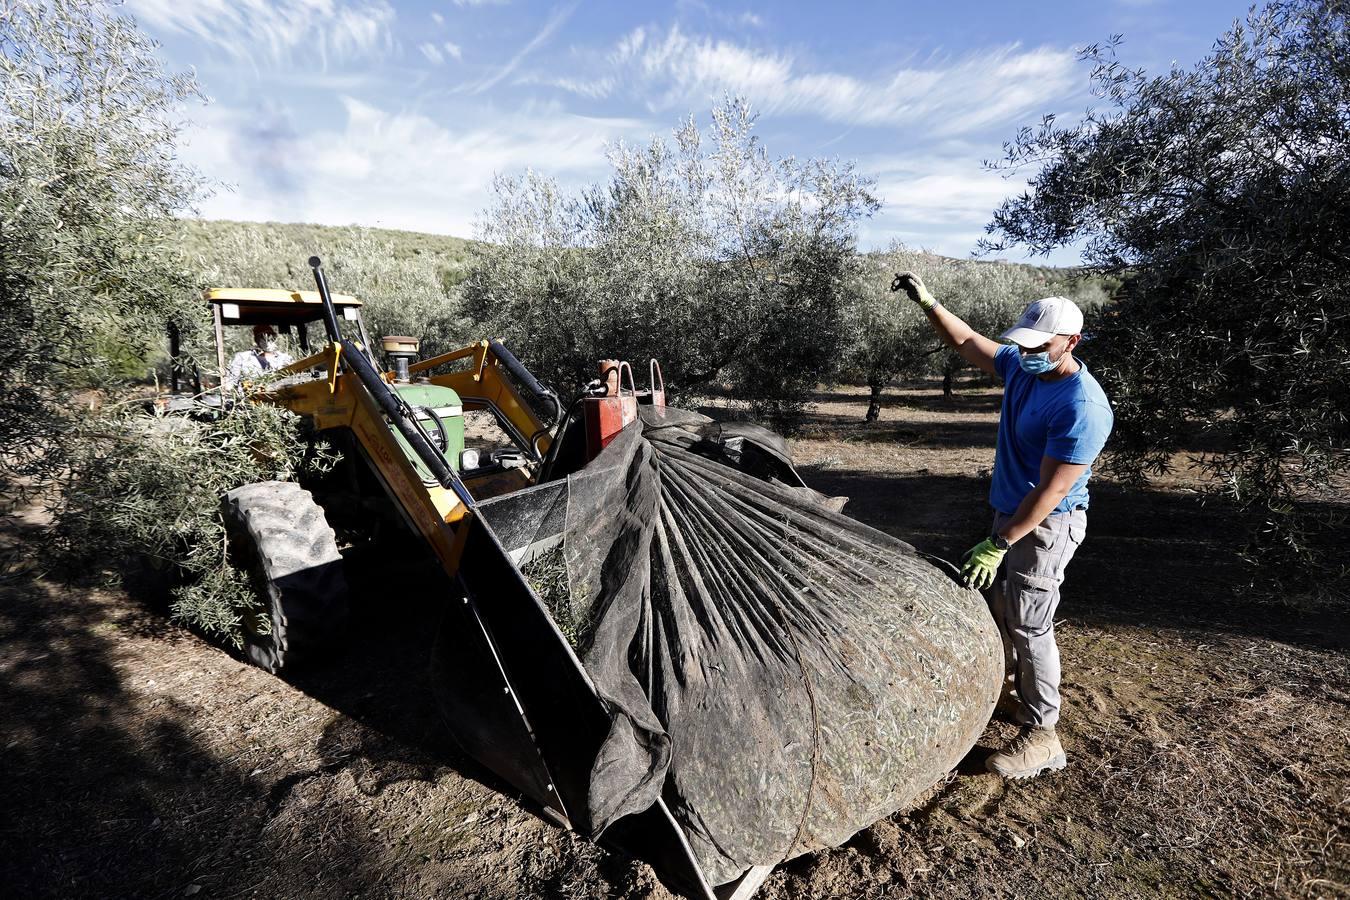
516	697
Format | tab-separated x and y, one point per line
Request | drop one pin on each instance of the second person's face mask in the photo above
1037	363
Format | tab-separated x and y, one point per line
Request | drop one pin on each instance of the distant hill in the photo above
202	233
273	254
451	254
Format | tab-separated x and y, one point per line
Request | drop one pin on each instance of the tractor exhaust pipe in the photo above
394	407
402	351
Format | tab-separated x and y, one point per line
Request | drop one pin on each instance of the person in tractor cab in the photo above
265	356
1054	421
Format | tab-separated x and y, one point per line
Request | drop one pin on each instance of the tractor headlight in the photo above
468	459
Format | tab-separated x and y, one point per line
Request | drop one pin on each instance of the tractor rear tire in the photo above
279	535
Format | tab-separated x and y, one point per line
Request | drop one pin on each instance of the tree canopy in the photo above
1223	193
90	275
727	264
89	183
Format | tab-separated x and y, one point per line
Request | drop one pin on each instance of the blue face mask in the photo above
1037	363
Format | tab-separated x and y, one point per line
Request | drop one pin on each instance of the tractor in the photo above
400	431
734	520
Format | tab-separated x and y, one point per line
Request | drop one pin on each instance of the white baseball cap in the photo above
1044	319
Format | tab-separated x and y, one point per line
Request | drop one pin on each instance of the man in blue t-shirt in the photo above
1055	420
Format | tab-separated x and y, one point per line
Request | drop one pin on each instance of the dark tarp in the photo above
782	674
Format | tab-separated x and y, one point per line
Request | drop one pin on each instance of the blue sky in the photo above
399	114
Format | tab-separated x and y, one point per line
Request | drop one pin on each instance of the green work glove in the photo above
913	287
980	564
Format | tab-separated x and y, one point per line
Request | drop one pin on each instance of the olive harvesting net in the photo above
781	674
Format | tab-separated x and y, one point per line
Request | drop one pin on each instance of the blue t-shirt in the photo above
1068	420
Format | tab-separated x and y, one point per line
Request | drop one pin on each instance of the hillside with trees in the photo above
419	281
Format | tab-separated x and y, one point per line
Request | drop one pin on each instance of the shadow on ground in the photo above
1151	558
948	436
143	762
109	793
968	397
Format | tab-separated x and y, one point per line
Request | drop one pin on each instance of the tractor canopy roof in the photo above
257	306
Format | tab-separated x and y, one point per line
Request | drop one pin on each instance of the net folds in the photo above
780	673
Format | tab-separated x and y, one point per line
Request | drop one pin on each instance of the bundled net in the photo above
781	674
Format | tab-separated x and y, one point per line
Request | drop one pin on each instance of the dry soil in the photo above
1207	724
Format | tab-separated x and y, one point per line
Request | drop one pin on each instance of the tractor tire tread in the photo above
292	556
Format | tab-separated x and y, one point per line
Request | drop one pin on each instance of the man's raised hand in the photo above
914	288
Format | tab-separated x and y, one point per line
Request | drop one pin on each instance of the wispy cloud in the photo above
393	168
555	21
436	53
418	149
399	169
672	69
720	15
277	31
470	3
938	197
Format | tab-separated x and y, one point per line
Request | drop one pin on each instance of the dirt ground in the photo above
1207	725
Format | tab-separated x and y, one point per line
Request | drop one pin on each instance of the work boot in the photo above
1033	751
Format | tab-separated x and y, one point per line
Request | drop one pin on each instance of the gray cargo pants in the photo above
1024	599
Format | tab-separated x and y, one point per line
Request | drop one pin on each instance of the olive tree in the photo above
89	183
729	265
90	275
141	496
1223	192
891	337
